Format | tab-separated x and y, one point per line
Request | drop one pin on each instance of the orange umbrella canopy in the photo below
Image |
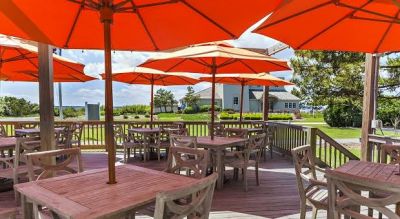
224	59
137	24
19	62
262	79
347	25
141	75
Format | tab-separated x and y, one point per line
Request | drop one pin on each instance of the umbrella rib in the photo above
30	61
208	19
120	6
61	63
248	66
133	80
228	62
332	25
87	3
386	32
364	10
180	62
294	15
144	25
74	24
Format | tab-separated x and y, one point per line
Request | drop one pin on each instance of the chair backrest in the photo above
193	201
304	165
78	129
42	159
193	161
219	130
3	131
65	136
183	141
391	151
29	125
349	189
236	133
119	134
25	145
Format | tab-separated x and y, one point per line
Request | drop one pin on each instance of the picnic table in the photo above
219	144
87	195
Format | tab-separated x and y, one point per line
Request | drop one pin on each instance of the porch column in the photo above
266	103
46	97
369	102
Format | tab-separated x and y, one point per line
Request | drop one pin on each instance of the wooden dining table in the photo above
218	145
33	131
7	143
87	195
384	174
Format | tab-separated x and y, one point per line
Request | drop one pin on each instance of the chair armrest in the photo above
314	182
322	170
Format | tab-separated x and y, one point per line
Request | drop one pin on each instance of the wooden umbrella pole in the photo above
241	106
152	104
213	72
106	19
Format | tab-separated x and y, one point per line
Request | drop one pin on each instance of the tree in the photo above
164	98
190	98
12	106
325	78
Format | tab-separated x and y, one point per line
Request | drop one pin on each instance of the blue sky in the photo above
124	94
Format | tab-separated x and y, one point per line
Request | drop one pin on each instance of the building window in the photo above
294	105
236	101
286	105
290	105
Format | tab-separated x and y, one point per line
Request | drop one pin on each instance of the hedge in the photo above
256	116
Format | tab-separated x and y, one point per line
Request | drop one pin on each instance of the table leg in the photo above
220	169
27	208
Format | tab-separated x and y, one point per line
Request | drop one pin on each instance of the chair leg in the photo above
159	154
129	153
125	150
245	179
303	209
257	178
314	213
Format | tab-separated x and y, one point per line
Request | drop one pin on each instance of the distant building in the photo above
228	97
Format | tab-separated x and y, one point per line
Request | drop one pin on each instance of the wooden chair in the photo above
345	197
193	161
314	193
183	141
64	137
40	159
219	130
194	201
152	141
248	157
3	131
126	142
236	133
166	132
60	167
77	134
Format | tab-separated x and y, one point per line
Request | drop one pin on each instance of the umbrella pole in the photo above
213	72
241	106
106	19
151	105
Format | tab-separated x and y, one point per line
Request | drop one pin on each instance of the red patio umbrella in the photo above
346	25
19	62
262	79
215	59
134	25
148	76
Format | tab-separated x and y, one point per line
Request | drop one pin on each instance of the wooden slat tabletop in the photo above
144	130
33	131
7	143
219	142
87	195
374	172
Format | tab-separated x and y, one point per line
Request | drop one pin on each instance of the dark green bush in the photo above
137	117
343	115
189	110
207	108
388	110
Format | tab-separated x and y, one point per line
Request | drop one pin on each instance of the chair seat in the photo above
8	173
318	196
235	163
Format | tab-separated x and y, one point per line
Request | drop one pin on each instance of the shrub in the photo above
70	112
147	116
280	116
126	116
137	117
189	110
207	108
343	115
388	111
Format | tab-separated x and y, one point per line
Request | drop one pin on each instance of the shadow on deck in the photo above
276	197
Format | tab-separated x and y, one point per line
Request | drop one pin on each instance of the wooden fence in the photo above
284	138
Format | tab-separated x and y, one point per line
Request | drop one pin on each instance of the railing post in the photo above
312	139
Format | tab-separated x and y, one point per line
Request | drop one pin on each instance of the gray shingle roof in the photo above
281	95
206	94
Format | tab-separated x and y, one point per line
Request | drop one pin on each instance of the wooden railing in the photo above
284	136
374	146
327	151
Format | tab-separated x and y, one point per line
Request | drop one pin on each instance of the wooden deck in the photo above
276	197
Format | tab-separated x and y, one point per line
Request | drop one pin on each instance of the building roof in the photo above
281	95
206	94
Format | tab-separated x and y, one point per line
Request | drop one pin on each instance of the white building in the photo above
228	97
